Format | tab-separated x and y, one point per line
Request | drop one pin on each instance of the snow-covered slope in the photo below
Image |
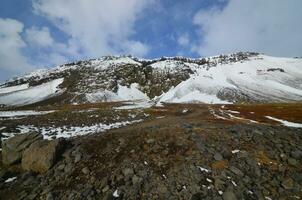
13	88
240	77
32	95
123	93
261	78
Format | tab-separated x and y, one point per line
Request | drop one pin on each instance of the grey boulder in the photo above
13	148
42	155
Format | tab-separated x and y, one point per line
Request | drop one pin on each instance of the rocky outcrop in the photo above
42	155
32	152
13	148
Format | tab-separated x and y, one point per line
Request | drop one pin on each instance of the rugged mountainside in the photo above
240	77
97	129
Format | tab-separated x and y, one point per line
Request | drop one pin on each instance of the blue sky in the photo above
44	33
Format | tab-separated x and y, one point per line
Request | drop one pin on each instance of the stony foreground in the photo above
180	152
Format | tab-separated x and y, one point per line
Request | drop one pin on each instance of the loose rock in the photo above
292	161
128	172
85	170
218	156
236	171
288	183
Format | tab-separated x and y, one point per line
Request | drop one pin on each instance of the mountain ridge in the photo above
218	79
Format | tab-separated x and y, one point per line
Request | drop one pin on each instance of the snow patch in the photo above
241	118
13	88
185	95
234	112
234	183
112	61
204	169
170	65
131	93
209	180
212	111
10	179
102	96
123	93
33	94
236	151
135	105
160	117
253	77
185	110
23	113
115	194
285	123
67	132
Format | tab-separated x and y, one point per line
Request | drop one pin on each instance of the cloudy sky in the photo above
44	33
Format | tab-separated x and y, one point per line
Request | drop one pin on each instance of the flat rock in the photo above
229	195
136	180
288	183
77	157
236	171
128	172
292	161
61	167
297	154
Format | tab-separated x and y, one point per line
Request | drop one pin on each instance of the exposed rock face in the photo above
14	147
42	155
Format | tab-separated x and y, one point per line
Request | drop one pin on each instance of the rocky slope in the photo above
240	77
180	152
70	134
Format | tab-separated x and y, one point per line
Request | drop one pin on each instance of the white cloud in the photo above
183	40
11	45
270	26
13	58
135	48
39	37
97	27
47	50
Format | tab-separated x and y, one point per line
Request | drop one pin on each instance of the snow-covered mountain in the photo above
234	78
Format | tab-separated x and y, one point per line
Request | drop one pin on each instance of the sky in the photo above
37	34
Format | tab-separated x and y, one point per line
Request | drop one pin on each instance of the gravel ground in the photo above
181	152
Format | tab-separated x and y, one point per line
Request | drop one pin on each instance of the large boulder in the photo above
42	155
13	148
